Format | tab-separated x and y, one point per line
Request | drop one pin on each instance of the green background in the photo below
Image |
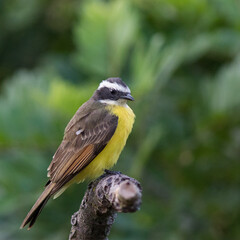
181	60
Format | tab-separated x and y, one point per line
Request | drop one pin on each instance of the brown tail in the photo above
38	206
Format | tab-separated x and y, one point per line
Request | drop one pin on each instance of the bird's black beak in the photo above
128	96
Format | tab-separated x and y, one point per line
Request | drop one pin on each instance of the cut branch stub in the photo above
111	193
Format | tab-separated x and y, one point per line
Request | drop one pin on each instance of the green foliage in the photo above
181	60
104	36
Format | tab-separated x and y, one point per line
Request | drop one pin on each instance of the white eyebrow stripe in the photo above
113	86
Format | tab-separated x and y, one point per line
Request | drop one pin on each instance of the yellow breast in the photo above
110	154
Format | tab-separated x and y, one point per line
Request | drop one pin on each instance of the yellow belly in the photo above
110	154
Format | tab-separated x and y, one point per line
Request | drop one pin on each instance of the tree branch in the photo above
111	193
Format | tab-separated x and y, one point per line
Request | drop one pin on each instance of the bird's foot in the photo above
106	171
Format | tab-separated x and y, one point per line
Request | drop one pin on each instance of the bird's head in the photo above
113	91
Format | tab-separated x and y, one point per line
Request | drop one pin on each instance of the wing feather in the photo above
78	160
78	149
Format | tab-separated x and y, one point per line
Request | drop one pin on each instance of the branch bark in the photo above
111	193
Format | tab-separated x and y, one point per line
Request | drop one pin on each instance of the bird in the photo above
92	142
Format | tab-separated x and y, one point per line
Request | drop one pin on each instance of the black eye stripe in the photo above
113	91
108	93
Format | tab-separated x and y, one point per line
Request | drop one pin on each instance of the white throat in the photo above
119	102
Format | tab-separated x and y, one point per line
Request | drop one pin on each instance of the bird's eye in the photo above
113	91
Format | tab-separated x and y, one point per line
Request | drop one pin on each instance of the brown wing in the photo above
83	141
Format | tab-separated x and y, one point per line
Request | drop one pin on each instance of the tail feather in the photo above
38	206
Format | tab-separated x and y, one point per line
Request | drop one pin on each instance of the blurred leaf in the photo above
104	36
223	92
